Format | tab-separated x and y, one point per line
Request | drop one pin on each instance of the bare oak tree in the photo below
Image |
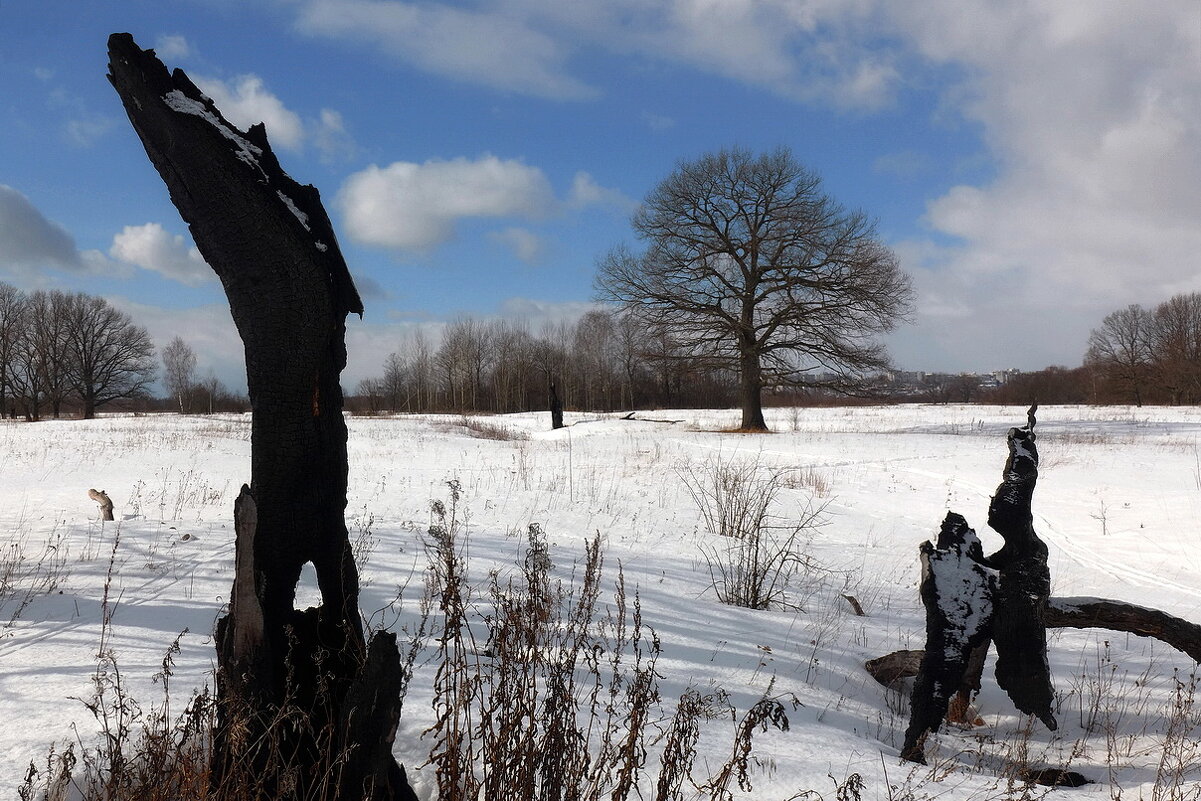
1121	350
12	315
1175	347
754	268
110	358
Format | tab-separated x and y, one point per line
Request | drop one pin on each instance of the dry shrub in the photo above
558	697
483	430
760	555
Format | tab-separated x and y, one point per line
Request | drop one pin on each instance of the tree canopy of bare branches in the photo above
1121	347
1140	355
751	266
59	347
110	357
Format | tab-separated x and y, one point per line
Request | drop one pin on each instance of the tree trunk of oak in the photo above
307	709
750	387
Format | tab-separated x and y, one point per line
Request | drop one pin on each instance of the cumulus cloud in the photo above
245	101
209	329
172	48
1092	113
330	136
152	248
585	191
521	242
526	45
543	312
29	241
490	48
408	206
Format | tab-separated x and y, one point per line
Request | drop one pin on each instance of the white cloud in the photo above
525	45
585	191
172	48
84	131
1092	112
29	241
522	242
209	329
246	101
658	122
543	312
408	206
152	248
493	49
330	136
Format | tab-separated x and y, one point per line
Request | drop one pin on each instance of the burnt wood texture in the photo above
270	242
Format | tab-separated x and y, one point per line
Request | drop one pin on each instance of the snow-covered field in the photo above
1118	503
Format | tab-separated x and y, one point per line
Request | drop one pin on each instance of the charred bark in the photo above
1013	606
556	408
1024	582
957	591
1100	613
1075	613
271	243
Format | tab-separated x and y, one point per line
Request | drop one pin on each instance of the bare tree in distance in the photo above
110	357
43	352
1121	349
12	314
179	372
754	268
1175	347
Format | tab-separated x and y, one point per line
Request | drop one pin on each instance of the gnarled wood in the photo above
1024	582
271	243
1076	613
106	504
957	591
1100	613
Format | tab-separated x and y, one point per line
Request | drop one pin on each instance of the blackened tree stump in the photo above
271	243
1004	598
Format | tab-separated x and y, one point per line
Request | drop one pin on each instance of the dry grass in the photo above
556	698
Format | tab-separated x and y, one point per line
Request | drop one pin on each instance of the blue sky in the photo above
1034	164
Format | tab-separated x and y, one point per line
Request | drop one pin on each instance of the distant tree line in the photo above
61	350
604	361
1142	355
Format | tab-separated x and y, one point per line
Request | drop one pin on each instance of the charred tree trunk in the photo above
1011	606
1024	583
970	599
556	408
293	684
957	592
1075	613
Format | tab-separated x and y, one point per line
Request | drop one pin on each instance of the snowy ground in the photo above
1118	503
